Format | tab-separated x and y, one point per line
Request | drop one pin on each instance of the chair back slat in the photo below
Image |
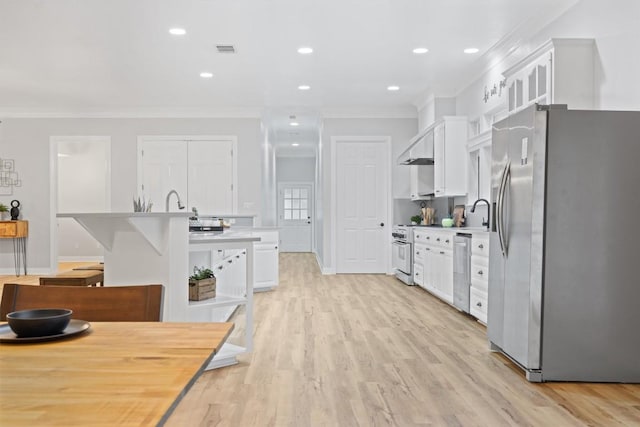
141	303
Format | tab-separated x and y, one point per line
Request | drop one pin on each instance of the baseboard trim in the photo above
30	271
324	270
95	258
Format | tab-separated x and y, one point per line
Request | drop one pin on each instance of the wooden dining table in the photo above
115	373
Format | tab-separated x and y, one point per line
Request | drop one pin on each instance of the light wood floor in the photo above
366	350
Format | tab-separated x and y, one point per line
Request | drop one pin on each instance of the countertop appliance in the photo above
461	271
205	224
402	253
563	283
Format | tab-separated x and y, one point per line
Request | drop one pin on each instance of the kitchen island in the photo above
146	248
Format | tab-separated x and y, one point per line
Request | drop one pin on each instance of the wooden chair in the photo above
98	304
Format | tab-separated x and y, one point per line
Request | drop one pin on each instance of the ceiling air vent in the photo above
225	48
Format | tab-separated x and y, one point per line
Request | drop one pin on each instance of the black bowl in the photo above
39	322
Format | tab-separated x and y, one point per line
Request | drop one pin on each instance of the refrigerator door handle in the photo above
499	210
503	234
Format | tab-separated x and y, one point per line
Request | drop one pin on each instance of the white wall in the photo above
27	141
401	130
295	169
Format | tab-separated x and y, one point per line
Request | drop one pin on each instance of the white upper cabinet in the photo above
449	156
479	174
558	72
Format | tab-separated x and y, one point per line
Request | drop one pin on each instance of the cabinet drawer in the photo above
479	272
480	244
478	304
443	240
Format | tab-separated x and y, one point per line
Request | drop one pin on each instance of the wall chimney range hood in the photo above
420	150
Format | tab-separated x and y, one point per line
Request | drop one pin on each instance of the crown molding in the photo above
404	112
131	113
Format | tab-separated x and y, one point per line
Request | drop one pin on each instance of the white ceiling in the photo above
116	57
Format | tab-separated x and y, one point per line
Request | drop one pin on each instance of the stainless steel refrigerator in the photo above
564	282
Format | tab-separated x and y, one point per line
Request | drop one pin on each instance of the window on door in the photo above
296	204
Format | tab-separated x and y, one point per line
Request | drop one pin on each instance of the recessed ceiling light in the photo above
305	50
471	50
206	75
393	88
295	144
294	124
178	31
420	50
304	87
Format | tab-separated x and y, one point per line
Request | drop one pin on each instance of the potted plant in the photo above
202	284
3	211
416	219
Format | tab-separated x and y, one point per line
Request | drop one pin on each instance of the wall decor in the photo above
496	89
8	177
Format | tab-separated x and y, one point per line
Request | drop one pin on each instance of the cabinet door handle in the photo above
442	252
382	224
480	246
276	247
238	256
417	253
479	304
427	249
230	261
446	241
219	267
418	236
480	272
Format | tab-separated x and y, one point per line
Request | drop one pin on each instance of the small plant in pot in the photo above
202	284
3	210
416	219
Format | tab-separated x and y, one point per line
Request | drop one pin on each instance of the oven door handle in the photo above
397	243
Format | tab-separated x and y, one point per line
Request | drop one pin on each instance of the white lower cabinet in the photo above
266	265
479	276
434	256
442	270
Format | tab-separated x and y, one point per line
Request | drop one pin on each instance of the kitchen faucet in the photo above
473	209
180	206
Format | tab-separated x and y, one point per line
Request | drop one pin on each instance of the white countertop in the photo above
226	237
124	214
452	229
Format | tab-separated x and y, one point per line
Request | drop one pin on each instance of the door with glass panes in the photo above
295	207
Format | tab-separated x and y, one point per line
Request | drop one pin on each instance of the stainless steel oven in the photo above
402	253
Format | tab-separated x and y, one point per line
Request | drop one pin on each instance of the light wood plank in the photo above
361	350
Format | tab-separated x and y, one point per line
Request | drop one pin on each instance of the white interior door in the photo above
362	197
201	169
295	207
163	168
211	177
83	185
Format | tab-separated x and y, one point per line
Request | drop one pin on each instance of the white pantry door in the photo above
362	174
164	168
211	177
295	207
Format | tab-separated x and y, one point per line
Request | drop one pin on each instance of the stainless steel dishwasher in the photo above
461	271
